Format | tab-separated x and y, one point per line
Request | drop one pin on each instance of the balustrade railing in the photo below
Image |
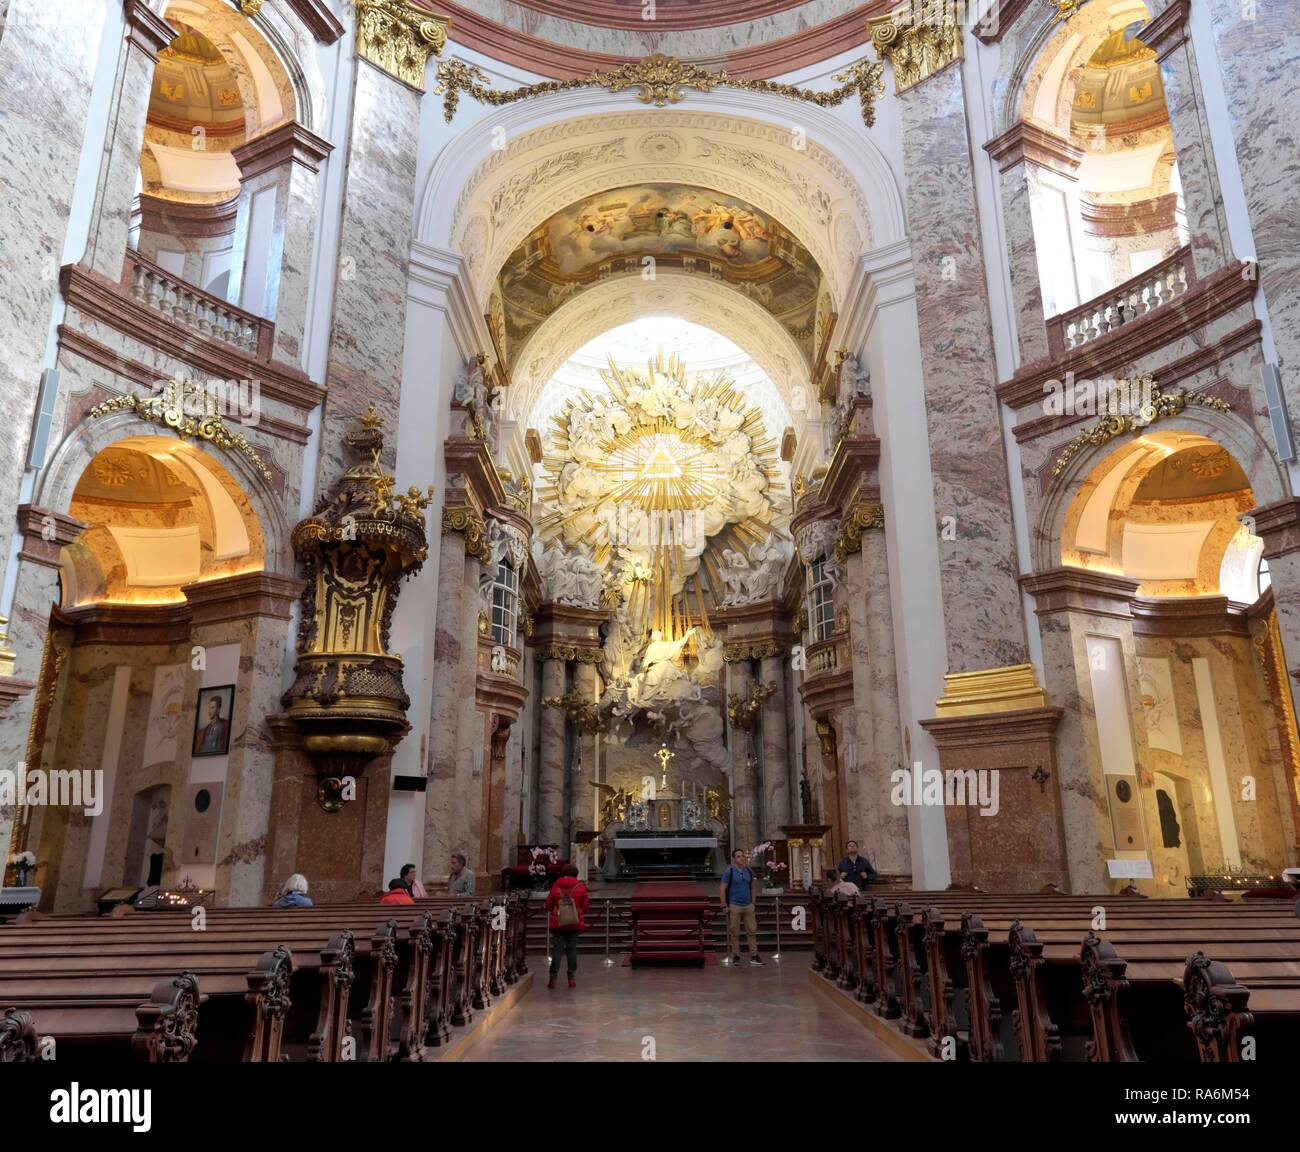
1137	297
822	657
204	313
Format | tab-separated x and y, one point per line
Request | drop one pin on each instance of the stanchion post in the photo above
608	961
776	901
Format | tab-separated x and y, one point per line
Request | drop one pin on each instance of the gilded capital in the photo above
400	38
861	516
463	519
918	39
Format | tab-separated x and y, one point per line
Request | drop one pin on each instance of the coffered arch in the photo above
829	185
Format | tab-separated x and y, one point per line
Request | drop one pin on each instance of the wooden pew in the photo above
929	961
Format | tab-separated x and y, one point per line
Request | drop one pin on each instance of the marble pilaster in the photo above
286	159
878	824
744	786
977	560
110	219
776	759
448	654
550	768
471	734
253	611
1072	606
37	590
1263	103
1207	223
369	321
1021	155
46	48
580	805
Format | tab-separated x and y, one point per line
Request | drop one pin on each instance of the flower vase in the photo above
23	873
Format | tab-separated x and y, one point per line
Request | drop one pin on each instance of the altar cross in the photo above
664	756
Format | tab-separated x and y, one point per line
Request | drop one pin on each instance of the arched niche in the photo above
1115	470
237	498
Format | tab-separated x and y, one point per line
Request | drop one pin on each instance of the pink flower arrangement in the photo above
542	857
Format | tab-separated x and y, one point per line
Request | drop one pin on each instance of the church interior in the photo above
806	486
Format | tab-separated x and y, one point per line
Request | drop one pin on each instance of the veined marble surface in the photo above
981	597
701	1014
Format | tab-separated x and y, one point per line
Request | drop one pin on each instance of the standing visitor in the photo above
737	891
567	902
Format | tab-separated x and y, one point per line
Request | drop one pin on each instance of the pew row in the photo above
323	983
1043	978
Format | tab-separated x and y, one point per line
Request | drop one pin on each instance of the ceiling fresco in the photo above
633	231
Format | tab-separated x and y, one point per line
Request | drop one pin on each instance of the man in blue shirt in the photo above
856	868
737	892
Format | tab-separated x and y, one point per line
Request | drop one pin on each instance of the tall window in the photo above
505	604
821	601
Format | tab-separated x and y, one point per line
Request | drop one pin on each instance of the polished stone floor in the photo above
714	1013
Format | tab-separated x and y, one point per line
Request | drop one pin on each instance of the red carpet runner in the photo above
668	923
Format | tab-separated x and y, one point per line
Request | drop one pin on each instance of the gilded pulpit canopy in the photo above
355	549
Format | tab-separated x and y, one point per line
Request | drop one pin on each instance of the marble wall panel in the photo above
365	357
47	48
1257	59
983	623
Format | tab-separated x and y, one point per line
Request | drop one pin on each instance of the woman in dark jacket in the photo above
567	902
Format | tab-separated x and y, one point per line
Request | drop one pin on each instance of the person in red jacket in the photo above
567	902
396	894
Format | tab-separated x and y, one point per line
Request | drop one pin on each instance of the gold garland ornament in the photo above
660	80
1155	406
187	408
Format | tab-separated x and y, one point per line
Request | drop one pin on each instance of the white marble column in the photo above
1202	196
279	173
444	712
550	770
776	767
119	168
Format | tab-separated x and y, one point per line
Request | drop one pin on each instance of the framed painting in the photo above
212	720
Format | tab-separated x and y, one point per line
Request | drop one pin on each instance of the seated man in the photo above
461	880
856	868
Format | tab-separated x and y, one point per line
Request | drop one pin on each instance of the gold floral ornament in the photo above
400	38
659	80
190	411
1155	405
918	39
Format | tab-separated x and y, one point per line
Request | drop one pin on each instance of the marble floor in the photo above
713	1013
